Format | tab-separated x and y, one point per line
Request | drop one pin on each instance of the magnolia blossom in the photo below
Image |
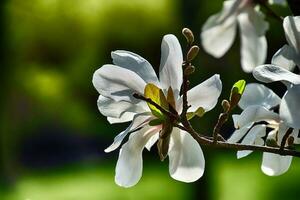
289	55
251	127
283	61
133	74
219	31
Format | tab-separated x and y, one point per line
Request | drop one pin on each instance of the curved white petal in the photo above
118	83
152	141
275	165
253	42
258	94
125	117
115	109
186	159
295	134
219	30
136	64
256	114
290	107
138	121
170	70
291	27
282	129
285	57
130	163
271	73
205	94
238	134
235	119
257	131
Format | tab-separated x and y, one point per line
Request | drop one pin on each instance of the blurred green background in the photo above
52	135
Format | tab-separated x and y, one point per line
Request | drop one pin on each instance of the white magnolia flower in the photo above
256	103
219	31
289	55
133	74
283	61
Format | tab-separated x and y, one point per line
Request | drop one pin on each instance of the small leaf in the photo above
236	92
238	87
156	122
199	112
154	93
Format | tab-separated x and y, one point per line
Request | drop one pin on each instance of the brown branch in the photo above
208	141
237	146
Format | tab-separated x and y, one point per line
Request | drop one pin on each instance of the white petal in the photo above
136	64
257	131
291	27
130	163
219	30
139	120
205	94
235	119
295	134
275	165
272	73
282	129
186	159
152	141
285	57
118	83
290	107
256	114
115	109
258	94
253	42
126	117
170	70
238	134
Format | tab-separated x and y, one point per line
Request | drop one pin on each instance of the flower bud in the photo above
192	53
188	34
225	105
236	92
290	140
189	70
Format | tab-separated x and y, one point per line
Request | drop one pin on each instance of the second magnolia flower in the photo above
133	74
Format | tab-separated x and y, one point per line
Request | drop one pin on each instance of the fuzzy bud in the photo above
188	34
225	105
192	53
189	70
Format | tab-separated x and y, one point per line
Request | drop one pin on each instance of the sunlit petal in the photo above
290	107
271	73
186	157
130	163
253	42
275	165
258	94
170	70
136	64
